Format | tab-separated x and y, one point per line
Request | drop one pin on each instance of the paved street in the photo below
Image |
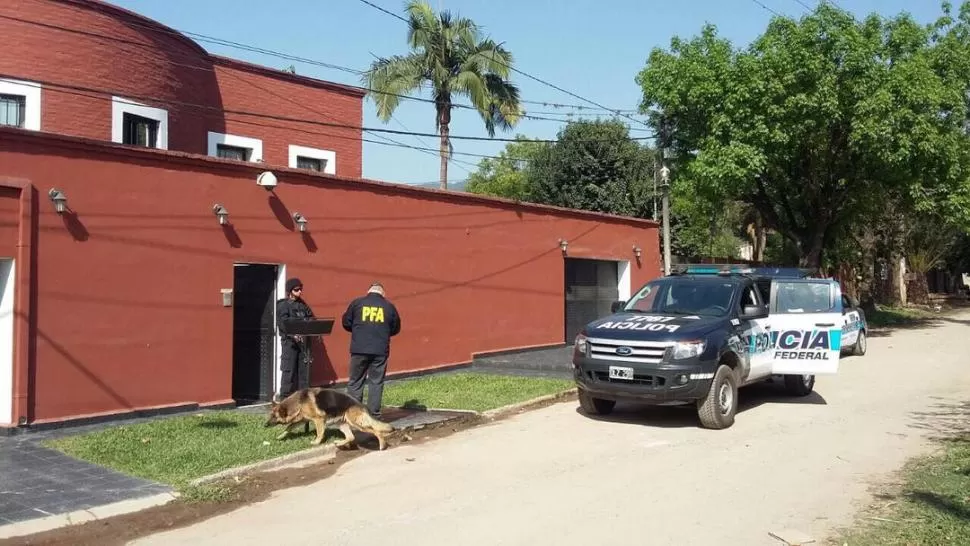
553	476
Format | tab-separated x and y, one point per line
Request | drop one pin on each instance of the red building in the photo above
90	69
121	289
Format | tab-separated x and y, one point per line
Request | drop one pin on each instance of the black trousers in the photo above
373	368
292	364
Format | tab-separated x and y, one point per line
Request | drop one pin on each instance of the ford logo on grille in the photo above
624	351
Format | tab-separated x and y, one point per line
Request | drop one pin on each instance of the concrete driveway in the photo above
554	476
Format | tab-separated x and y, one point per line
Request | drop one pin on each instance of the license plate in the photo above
619	372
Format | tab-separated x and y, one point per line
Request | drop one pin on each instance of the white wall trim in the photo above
31	93
623	280
280	293
120	106
7	341
254	144
316	153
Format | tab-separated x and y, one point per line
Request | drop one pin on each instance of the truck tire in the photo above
799	385
595	406
717	409
861	343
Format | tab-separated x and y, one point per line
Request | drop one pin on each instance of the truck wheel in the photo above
859	348
799	385
595	406
717	409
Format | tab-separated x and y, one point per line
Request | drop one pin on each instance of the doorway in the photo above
6	339
591	286
254	332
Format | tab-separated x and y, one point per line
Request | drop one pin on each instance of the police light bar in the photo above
715	269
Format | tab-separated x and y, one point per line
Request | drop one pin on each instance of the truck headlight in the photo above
688	349
580	343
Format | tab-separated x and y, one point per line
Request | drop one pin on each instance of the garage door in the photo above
591	286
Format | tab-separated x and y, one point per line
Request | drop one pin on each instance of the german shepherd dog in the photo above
325	407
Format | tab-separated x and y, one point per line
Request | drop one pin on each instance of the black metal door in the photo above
253	332
591	286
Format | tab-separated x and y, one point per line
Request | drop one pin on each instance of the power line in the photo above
268	52
530	76
106	96
251	48
287	118
767	8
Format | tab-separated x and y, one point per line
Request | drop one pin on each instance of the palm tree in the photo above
448	55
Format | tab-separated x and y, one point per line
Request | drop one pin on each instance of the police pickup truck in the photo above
697	336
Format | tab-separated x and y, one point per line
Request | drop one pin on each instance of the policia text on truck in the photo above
697	336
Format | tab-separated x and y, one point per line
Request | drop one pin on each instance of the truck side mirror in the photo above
616	306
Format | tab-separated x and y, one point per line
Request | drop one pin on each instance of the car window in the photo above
684	298
642	300
748	297
803	298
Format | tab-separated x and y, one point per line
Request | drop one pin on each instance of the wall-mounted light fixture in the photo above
636	251
222	213
59	198
563	244
300	221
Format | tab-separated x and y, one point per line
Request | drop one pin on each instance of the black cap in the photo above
293	283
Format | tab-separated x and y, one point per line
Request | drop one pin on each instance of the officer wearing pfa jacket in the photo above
295	349
371	320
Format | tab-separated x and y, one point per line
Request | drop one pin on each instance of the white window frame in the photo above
255	145
316	153
121	106
30	91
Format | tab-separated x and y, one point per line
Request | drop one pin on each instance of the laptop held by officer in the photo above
372	321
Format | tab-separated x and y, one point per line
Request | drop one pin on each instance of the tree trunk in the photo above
918	290
443	150
760	239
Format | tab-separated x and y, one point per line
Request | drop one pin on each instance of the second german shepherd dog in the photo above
325	407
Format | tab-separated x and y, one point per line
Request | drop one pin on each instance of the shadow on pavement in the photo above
682	416
946	421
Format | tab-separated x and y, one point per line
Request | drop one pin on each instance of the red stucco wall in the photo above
128	308
82	52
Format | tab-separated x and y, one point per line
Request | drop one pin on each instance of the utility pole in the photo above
664	174
665	189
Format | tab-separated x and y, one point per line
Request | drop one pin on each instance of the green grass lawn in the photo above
898	316
177	450
470	391
932	508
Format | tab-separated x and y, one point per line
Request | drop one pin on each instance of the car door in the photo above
753	336
805	320
851	322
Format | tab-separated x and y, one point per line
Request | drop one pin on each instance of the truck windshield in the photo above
683	298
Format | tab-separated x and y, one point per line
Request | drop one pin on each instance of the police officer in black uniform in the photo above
372	320
295	349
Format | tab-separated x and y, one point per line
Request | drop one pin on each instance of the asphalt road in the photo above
554	476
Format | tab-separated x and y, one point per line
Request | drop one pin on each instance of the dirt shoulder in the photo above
234	494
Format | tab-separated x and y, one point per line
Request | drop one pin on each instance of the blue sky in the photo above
593	48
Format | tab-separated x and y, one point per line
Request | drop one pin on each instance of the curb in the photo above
307	456
497	412
77	517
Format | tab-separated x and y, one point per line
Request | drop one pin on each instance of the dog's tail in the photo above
362	419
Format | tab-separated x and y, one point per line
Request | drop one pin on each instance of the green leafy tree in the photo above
818	115
507	174
451	57
594	165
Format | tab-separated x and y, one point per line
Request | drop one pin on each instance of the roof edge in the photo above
287	76
10	134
